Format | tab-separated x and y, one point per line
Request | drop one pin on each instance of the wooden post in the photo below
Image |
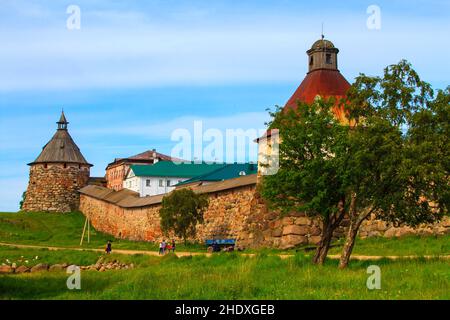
84	230
89	230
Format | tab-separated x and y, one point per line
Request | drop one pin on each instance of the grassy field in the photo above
222	276
233	276
64	230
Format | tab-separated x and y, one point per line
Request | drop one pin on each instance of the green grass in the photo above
64	230
233	276
405	246
31	257
222	276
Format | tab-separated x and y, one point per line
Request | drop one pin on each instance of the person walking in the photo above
164	246
108	247
173	245
161	249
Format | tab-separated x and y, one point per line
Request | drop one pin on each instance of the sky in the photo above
137	70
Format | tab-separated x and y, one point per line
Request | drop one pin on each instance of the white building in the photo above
161	177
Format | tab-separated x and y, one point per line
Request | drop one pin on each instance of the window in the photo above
161	184
328	58
167	183
147	182
311	61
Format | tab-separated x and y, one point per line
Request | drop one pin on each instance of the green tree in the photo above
307	180
24	195
392	160
398	151
180	212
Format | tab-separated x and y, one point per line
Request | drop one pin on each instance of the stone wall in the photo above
234	213
225	217
54	187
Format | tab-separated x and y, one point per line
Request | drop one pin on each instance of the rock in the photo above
303	221
6	269
426	232
405	231
39	267
102	269
390	233
445	222
22	269
285	221
314	239
290	241
315	231
277	232
295	230
56	267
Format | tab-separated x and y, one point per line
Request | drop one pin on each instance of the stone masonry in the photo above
234	213
54	187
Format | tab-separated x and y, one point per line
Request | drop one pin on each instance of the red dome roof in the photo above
325	83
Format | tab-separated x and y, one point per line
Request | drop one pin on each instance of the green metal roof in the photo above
175	169
228	171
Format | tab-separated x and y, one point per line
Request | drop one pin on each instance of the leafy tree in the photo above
308	180
181	211
24	194
398	151
391	160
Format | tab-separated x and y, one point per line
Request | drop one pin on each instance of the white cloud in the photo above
126	48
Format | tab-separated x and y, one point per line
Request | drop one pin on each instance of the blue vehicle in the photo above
216	245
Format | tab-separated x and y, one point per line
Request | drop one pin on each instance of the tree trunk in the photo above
355	223
349	243
323	246
328	227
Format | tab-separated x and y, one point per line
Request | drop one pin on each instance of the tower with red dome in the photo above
322	80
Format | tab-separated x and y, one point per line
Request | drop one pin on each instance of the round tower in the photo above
324	80
57	174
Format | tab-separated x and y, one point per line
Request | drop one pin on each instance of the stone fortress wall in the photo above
235	211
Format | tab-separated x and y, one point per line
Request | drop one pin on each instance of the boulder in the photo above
390	233
314	239
22	269
295	230
39	267
277	232
6	269
56	267
315	231
302	221
290	241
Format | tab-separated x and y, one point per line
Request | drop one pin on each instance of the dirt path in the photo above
184	253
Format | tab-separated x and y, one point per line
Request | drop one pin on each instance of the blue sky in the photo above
136	70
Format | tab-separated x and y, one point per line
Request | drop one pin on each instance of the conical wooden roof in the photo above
61	148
